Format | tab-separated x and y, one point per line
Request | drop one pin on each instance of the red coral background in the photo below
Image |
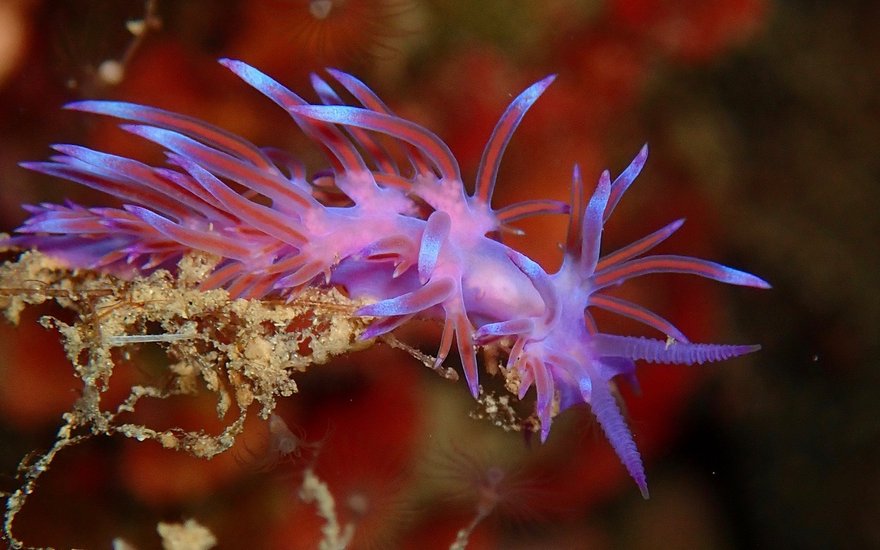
762	120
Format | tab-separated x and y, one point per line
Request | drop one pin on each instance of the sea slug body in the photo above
408	238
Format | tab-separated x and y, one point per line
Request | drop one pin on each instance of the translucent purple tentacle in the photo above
542	283
52	218
637	313
624	180
491	331
136	178
661	351
593	222
274	186
267	220
501	134
544	390
464	337
207	241
310	269
371	146
524	209
384	326
192	127
402	129
675	264
371	101
340	147
640	246
435	233
431	294
576	216
618	433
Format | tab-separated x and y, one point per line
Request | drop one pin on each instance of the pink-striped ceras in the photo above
409	238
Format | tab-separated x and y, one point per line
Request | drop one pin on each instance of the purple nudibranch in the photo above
406	236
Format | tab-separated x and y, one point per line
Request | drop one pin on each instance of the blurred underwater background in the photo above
763	119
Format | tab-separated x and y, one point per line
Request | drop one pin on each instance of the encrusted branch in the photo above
245	352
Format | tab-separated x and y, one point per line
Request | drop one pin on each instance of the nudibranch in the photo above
395	228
